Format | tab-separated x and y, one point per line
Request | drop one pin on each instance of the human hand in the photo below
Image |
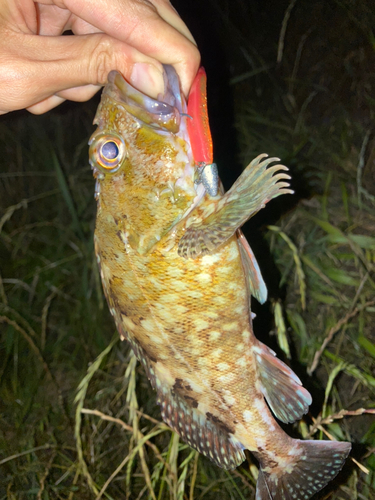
39	68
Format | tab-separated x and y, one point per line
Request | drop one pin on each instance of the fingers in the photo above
79	94
39	72
152	27
142	75
188	60
52	20
69	67
45	105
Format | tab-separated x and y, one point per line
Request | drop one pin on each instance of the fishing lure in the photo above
200	134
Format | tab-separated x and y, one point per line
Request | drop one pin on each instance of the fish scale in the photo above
178	273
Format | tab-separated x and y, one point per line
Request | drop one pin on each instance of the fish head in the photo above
142	159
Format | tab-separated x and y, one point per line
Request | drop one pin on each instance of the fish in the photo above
178	275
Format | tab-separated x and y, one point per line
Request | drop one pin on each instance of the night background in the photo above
293	79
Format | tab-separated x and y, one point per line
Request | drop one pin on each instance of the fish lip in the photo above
162	113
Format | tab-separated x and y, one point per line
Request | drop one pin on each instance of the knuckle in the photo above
102	60
16	91
145	7
192	54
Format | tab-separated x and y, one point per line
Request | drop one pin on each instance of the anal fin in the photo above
202	431
280	386
204	435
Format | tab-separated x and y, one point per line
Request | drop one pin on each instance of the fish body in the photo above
178	274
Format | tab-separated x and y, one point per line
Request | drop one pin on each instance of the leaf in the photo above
325	299
329	229
363	241
65	191
340	276
352	370
281	329
333	374
367	345
299	327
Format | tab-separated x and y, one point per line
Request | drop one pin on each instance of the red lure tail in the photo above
199	127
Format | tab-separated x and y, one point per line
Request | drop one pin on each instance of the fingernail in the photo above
148	79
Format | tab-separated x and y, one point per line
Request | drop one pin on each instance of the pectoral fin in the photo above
253	189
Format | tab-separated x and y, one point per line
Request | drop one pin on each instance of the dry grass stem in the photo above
45	475
46	306
319	421
27	452
103	416
280	47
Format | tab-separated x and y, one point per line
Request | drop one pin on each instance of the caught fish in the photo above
178	275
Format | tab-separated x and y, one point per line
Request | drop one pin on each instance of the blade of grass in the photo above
79	401
297	260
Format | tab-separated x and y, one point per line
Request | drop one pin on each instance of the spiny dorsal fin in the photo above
280	386
255	187
315	466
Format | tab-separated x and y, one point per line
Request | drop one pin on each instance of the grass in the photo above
78	419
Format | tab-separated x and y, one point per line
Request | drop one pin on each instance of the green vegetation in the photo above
78	419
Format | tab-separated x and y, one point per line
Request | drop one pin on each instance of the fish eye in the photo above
107	151
110	151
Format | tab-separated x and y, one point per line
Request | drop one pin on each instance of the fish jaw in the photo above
163	113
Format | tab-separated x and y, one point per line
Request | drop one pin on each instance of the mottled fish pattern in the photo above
178	274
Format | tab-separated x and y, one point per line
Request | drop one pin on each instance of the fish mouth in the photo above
163	113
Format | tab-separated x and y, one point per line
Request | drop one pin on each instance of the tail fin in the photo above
315	464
